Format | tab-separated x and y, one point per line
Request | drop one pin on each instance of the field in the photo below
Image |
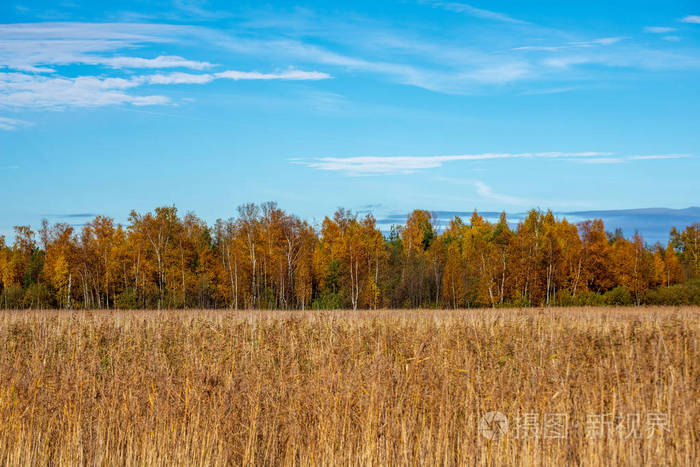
577	385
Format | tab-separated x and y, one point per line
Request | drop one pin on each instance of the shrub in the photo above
11	298
519	302
586	299
127	300
37	296
327	301
679	294
618	296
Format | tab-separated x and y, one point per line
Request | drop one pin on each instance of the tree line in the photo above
265	257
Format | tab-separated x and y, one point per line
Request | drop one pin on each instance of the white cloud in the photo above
384	165
602	160
573	154
457	71
603	41
128	32
373	165
504	73
189	78
451	64
404	74
387	165
9	124
571	45
691	19
37	91
660	156
485	191
31	91
536	92
27	47
178	78
162	61
55	54
641	58
293	75
477	12
542	48
672	38
195	8
658	29
455	65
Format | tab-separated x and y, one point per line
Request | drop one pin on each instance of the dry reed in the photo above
389	387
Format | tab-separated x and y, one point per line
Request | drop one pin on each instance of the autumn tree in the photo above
417	236
597	273
156	234
454	278
100	241
687	244
61	262
339	263
267	258
632	265
227	251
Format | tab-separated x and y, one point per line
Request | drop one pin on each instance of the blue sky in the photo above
381	106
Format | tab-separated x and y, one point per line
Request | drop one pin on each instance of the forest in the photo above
266	258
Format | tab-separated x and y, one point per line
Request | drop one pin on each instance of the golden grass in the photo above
389	387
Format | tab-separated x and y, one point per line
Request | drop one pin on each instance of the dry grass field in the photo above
578	386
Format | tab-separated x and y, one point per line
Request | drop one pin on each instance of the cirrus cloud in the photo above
658	29
9	124
694	19
35	52
384	165
391	165
22	90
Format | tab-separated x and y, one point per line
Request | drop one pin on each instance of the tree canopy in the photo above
265	257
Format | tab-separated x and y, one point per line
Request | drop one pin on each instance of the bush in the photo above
37	296
327	301
268	299
127	300
679	294
580	299
11	298
519	302
619	296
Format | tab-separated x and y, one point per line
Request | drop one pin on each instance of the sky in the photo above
374	106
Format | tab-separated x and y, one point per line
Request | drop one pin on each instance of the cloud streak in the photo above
571	45
31	91
485	191
693	19
37	91
602	160
386	165
9	124
188	78
392	165
659	156
33	46
477	12
34	52
454	65
658	29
